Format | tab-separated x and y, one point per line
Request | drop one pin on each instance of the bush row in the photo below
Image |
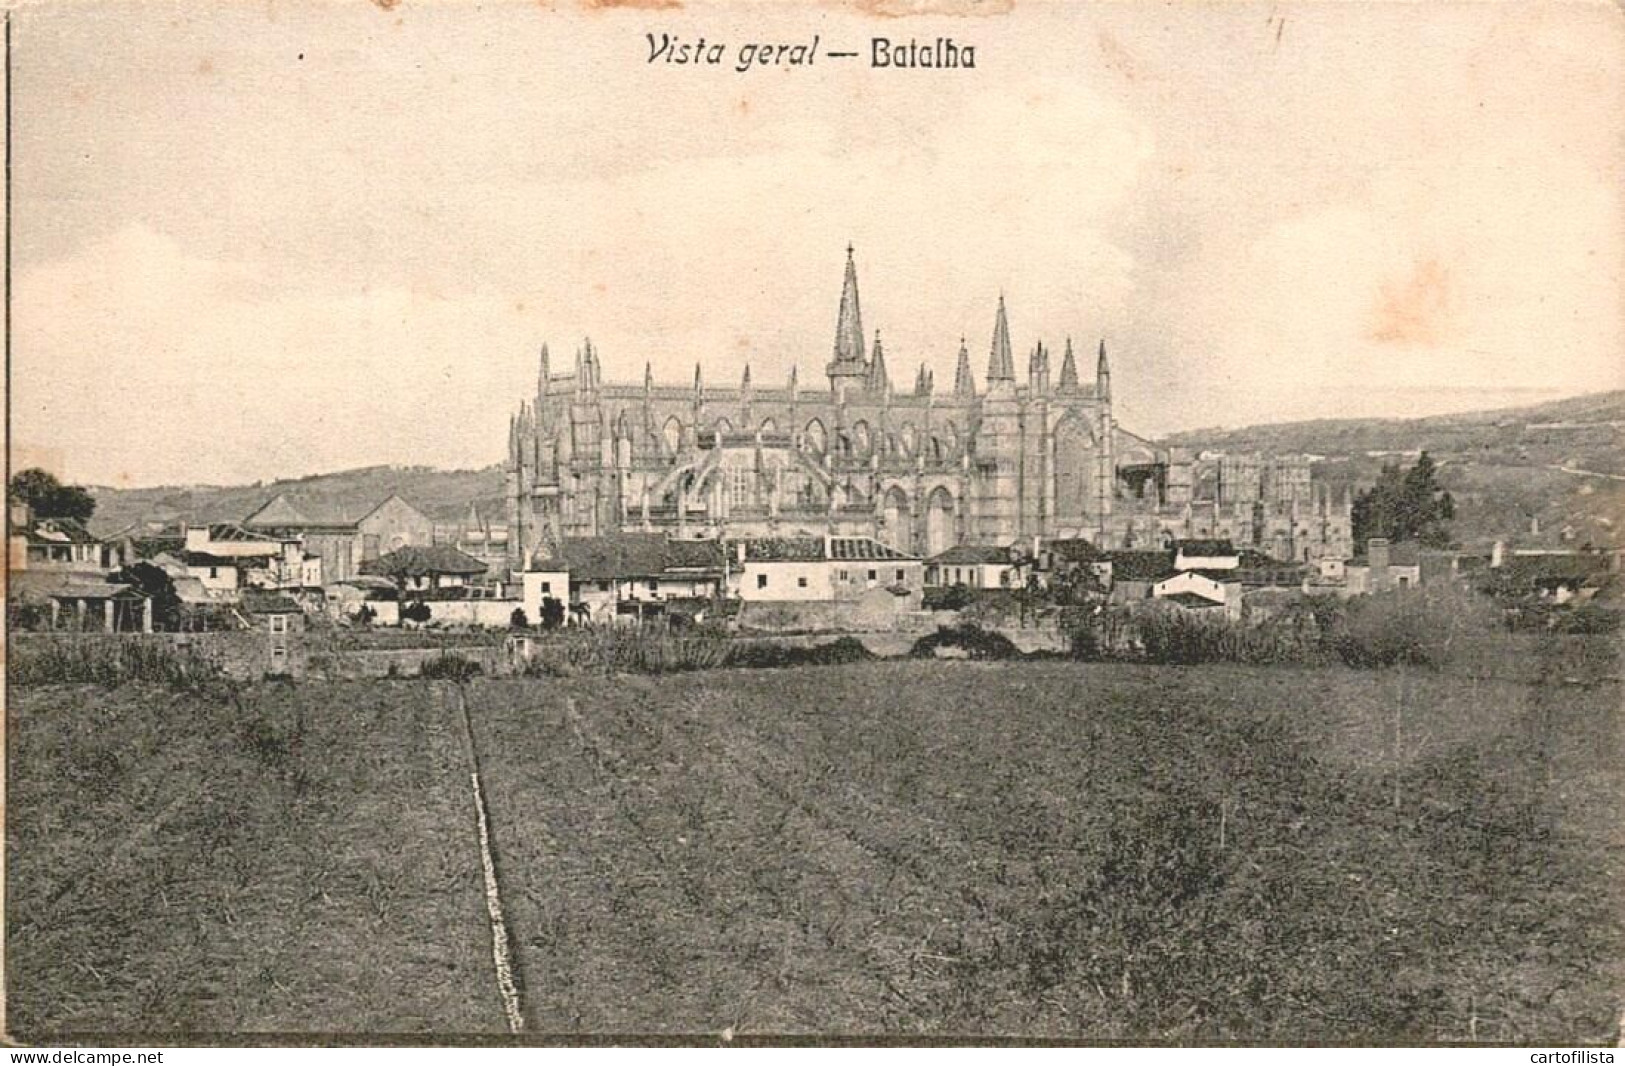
1418	627
101	661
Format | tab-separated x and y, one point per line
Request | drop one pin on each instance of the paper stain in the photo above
1115	55
1415	310
386	5
205	67
891	9
632	5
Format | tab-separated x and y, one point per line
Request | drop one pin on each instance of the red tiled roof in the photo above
631	555
416	561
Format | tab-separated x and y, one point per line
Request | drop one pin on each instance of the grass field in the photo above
296	861
1028	849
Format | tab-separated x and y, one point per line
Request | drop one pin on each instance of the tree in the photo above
49	498
1405	505
518	620
160	588
552	613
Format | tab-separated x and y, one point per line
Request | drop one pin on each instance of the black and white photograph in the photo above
845	522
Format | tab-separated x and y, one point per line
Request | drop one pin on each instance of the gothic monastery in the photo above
920	470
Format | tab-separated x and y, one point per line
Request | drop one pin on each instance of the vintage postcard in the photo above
889	521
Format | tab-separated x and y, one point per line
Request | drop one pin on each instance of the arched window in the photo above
861	442
815	438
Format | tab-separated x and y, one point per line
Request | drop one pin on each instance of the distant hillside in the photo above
1585	429
444	495
1560	464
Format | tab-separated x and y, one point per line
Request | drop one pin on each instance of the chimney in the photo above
1376	552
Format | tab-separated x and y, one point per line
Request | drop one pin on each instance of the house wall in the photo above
849	578
394	524
536	585
217	579
340	554
799	581
1227	593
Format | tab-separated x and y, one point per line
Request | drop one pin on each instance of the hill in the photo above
1550	467
1553	466
443	495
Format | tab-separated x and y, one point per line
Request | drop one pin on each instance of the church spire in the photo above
1000	366
879	380
849	324
543	371
1103	374
1069	369
963	385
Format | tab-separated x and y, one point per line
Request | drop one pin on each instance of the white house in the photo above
1195	590
629	575
1205	555
978	567
828	568
227	558
538	585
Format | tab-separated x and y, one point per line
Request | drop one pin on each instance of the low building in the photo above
1383	567
227	558
540	584
1200	590
1205	554
979	567
272	613
428	570
51	543
85	604
1130	574
627	576
827	569
1556	577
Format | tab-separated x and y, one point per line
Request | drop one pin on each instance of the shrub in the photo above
417	611
951	598
1413	626
969	640
1588	620
518	619
109	661
614	649
1170	634
448	666
768	655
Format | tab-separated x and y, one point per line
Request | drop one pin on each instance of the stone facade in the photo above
920	470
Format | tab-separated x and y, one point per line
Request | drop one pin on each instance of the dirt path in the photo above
501	947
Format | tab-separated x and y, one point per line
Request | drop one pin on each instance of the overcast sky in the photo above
281	238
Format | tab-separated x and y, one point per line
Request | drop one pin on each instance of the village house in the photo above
82	602
627	576
341	543
50	543
1557	577
227	558
1200	590
478	536
979	567
1383	567
821	568
537	586
434	571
